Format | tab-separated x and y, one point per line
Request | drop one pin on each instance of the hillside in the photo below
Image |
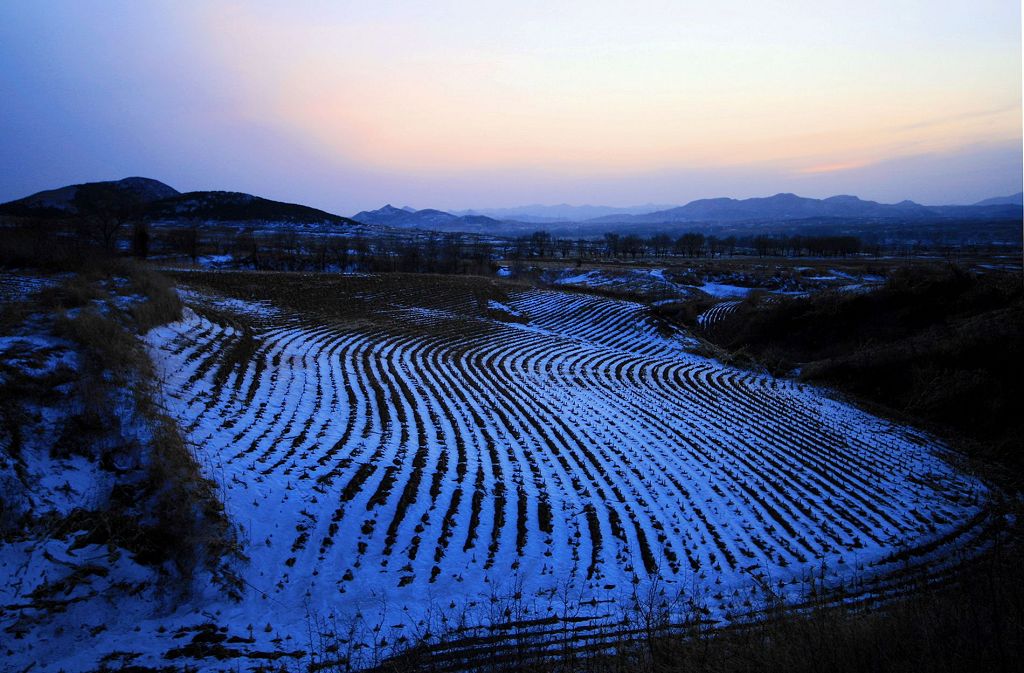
461	458
103	511
237	207
779	214
145	198
1011	200
66	200
450	443
941	345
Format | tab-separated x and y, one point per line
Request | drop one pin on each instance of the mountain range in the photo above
158	202
562	212
771	210
783	207
428	218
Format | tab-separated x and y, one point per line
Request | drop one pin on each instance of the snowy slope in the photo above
457	457
428	454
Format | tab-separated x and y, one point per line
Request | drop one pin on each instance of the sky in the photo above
349	105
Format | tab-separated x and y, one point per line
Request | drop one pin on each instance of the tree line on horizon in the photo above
108	219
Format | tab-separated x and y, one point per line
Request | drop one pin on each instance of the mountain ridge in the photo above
427	218
155	201
778	209
788	206
1011	200
562	212
61	200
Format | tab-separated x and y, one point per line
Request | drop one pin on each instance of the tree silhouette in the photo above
103	212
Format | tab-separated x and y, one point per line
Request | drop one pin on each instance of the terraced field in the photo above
391	444
714	316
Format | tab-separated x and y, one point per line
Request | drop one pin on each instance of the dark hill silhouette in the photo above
153	200
62	201
238	207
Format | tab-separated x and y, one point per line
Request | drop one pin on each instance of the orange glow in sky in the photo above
599	88
349	104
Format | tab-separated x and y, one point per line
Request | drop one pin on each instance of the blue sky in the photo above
346	106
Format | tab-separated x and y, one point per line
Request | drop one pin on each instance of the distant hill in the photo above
790	207
155	201
61	201
238	207
789	212
563	212
1011	200
779	207
428	218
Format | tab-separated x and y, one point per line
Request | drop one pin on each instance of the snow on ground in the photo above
19	286
61	482
662	281
639	279
572	454
503	308
215	261
725	291
651	281
255	309
390	473
57	591
717	313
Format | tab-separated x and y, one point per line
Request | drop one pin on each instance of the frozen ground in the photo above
682	282
20	286
436	457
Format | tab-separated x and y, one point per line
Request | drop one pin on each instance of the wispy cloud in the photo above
833	167
970	115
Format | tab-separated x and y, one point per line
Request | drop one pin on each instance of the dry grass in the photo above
192	528
974	621
162	303
108	346
164	511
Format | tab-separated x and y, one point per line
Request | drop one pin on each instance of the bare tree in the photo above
103	211
540	240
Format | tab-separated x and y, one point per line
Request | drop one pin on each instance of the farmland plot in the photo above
714	316
390	445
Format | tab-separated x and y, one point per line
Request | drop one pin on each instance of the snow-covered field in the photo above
399	454
455	457
717	313
689	282
648	281
20	286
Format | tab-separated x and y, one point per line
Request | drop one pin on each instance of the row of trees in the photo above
541	244
798	246
105	215
292	250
